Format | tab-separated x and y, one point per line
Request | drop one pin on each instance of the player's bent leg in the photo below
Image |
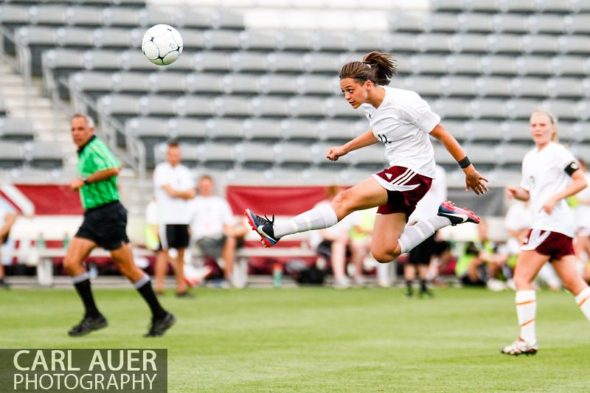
387	230
568	272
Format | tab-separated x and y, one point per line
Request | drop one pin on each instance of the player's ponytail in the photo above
376	66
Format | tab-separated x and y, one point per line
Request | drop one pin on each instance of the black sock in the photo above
409	286
148	294
423	286
85	292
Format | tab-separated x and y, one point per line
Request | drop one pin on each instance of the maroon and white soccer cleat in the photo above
457	215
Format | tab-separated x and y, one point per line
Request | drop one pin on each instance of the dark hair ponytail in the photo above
376	66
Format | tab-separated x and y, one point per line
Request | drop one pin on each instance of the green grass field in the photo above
323	340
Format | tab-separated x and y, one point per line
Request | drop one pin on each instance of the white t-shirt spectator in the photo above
172	210
543	176
208	216
403	123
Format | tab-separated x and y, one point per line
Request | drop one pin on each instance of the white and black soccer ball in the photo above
162	44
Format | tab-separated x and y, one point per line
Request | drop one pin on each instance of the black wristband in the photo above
464	163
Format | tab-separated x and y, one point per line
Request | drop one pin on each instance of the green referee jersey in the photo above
95	156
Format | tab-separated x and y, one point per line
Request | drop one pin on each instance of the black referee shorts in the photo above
174	236
105	225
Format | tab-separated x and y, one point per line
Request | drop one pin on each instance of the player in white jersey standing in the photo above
403	122
550	174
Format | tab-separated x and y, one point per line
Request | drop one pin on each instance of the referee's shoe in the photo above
88	324
160	325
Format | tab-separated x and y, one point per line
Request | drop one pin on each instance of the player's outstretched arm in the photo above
365	139
473	179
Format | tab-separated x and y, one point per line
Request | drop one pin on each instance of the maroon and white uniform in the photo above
545	173
403	123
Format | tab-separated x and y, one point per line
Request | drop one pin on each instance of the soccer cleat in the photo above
264	227
160	325
519	347
456	214
87	325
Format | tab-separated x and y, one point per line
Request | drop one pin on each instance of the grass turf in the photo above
323	340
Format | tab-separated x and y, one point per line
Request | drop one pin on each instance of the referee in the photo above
104	225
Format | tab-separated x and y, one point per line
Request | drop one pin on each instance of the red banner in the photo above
52	199
282	201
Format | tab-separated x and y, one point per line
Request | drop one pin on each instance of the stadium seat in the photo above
484	6
452	108
429	43
511	154
12	154
370	157
492	86
321	63
424	85
148	127
519	6
217	155
198	83
570	65
521	108
189	129
317	85
275	107
505	43
458	86
277	84
529	87
119	106
258	40
486	131
575	44
49	15
121	17
541	44
16	129
555	6
293	40
546	24
249	62
338	107
300	130
227	20
47	155
157	105
292	155
516	131
577	24
434	23
285	62
241	84
269	130
534	66
170	83
563	87
91	83
255	155
510	23
470	43
307	107
130	83
499	65
567	109
428	64
488	108
233	106
13	16
221	39
474	23
114	38
220	129
366	41
85	16
212	61
464	64
331	41
195	106
455	6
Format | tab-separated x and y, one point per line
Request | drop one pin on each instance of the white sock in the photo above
583	300
526	310
420	231
319	217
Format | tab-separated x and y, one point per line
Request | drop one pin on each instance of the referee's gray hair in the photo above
89	119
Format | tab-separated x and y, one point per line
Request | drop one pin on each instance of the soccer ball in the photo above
162	44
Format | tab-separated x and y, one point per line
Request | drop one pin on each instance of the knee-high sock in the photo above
526	310
583	300
84	289
144	287
319	217
420	231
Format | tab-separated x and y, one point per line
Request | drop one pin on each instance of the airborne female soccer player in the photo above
403	122
550	174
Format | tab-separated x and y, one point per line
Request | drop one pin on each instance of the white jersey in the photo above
208	216
543	176
427	207
403	123
172	210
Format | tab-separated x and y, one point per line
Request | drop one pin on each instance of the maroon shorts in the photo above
404	189
554	244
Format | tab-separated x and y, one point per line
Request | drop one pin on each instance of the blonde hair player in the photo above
403	122
550	174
